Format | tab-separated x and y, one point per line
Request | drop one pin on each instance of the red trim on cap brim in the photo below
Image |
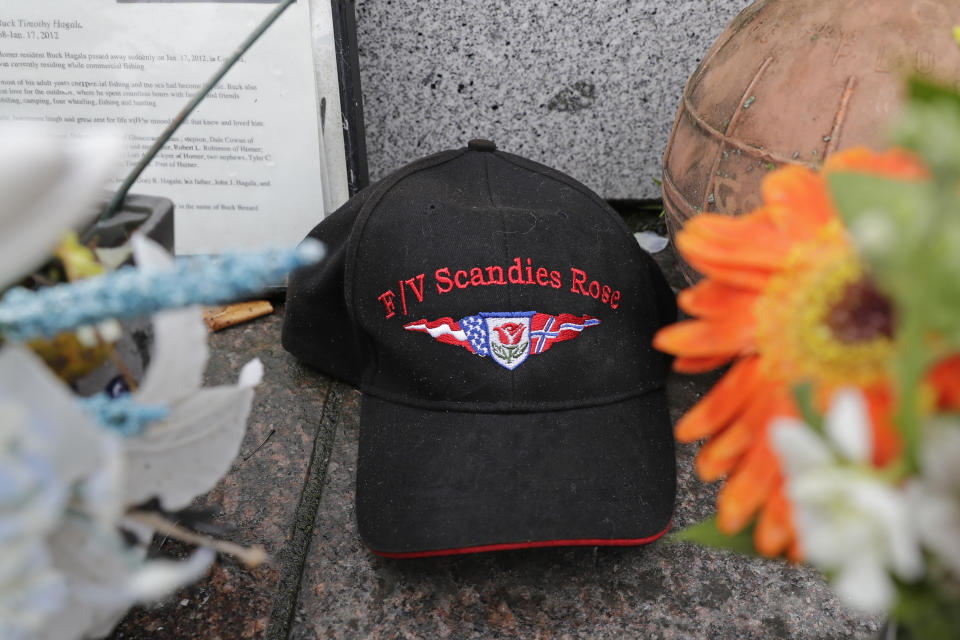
630	542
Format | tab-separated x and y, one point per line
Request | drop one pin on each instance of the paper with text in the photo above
245	170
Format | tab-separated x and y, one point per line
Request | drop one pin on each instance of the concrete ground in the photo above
291	490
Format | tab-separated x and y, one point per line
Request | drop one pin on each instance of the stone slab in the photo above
590	88
256	501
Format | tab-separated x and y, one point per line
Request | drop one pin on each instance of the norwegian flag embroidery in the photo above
509	338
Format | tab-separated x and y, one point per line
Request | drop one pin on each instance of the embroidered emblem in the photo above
509	338
508	335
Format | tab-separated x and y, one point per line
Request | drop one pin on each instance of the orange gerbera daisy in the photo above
944	381
786	298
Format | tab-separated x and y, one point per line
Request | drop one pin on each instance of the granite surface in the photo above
590	88
257	502
291	489
660	591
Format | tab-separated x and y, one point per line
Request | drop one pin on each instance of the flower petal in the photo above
724	450
49	185
684	364
756	228
178	358
863	584
186	454
80	444
251	374
888	509
747	488
940	454
797	446
944	377
180	349
701	338
712	299
847	424
722	402
733	275
775	531
158	578
885	435
798	201
937	518
106	578
892	163
732	252
651	242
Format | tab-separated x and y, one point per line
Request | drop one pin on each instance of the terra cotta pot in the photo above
791	81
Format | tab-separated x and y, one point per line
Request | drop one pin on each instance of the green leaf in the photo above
926	611
909	234
920	89
930	126
803	396
707	534
860	196
890	220
78	261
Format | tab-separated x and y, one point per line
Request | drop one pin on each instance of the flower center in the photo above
862	314
820	318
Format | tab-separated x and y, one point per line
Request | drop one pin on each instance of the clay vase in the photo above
791	81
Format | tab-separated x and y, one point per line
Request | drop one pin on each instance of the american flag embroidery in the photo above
509	338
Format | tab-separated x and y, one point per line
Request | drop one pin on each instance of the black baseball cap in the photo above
497	316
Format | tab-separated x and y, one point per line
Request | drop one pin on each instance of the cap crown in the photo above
461	270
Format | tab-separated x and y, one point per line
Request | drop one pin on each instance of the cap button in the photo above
481	145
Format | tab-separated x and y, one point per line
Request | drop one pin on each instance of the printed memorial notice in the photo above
245	170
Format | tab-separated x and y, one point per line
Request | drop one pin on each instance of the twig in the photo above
250	556
187	110
260	446
117	362
224	316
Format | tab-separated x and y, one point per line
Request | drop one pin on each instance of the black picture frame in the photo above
351	95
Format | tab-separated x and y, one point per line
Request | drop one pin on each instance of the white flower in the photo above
934	496
48	185
49	454
174	459
65	571
31	500
184	455
65	483
851	524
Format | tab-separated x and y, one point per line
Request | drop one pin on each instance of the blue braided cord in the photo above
121	414
131	292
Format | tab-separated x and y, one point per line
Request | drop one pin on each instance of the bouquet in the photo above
836	428
86	481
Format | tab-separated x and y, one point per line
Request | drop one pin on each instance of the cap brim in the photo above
441	482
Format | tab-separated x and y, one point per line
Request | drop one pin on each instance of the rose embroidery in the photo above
510	332
510	347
